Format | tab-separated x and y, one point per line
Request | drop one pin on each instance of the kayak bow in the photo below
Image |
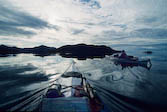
78	97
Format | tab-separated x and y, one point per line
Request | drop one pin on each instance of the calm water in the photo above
130	89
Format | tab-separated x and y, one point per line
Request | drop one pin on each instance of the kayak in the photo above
68	92
77	97
131	62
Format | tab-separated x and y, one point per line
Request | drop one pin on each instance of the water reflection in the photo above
25	72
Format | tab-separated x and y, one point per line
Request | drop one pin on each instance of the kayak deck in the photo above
63	104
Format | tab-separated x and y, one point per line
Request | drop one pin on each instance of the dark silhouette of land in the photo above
83	51
80	51
148	52
40	50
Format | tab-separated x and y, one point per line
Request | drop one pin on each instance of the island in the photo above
79	51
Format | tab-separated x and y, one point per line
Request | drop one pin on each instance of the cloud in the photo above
153	33
150	19
77	31
89	21
150	33
9	30
107	36
111	33
91	3
14	22
78	22
123	26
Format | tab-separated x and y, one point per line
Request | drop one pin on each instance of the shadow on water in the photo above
13	79
121	103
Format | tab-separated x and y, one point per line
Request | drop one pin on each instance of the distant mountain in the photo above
83	51
80	51
40	50
9	50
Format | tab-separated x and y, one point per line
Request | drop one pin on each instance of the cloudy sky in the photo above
28	23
